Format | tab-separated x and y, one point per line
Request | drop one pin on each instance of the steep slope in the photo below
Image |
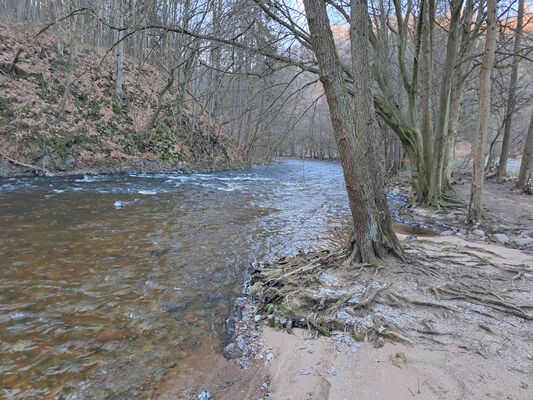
94	132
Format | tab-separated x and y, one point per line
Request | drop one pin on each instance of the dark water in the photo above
109	280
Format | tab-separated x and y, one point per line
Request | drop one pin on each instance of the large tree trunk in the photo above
525	177
478	171
511	100
373	235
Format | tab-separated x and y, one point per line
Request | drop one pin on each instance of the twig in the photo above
370	298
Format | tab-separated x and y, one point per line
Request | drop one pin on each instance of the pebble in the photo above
478	232
447	233
501	238
523	241
204	395
257	318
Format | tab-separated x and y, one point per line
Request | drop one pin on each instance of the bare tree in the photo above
511	100
478	172
373	235
525	177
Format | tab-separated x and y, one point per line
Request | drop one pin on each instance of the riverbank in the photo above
59	115
135	166
452	321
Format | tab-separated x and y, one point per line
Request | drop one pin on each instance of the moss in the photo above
398	359
93	109
358	336
6	111
256	290
117	107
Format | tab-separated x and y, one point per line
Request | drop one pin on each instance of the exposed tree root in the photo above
328	292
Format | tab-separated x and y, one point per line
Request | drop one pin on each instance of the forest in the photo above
254	177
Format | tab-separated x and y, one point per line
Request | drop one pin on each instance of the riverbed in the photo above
109	281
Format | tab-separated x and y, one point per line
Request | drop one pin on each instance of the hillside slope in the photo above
95	132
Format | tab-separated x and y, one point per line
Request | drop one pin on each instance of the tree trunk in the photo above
452	47
511	100
478	171
372	236
426	69
525	177
160	101
119	55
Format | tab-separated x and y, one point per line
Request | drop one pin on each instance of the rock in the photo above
447	233
205	395
270	356
5	168
70	162
231	351
257	318
478	232
523	241
501	238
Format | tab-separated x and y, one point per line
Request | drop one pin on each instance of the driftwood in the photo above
23	164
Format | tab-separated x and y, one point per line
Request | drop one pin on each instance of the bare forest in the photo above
380	151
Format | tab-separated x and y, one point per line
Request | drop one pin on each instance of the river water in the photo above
110	280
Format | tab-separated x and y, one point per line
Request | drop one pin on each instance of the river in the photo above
110	280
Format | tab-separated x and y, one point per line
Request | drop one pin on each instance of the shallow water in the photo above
110	280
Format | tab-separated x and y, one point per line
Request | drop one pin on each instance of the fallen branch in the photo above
34	167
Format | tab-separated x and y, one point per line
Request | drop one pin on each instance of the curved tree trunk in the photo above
373	235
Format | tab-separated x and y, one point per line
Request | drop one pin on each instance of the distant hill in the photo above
95	132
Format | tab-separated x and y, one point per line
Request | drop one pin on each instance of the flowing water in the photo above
110	280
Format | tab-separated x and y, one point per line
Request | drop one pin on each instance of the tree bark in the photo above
478	171
372	236
452	47
511	100
525	177
119	55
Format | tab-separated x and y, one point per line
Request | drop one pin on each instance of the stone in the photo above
500	238
231	351
257	318
5	168
523	241
447	233
204	395
70	162
478	232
